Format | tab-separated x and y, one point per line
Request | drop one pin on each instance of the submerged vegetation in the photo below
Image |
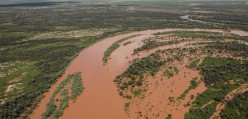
61	95
38	40
221	72
134	75
193	84
114	46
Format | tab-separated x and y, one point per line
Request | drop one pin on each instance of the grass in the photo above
114	46
210	61
193	84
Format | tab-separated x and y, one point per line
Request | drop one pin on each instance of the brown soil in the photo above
100	98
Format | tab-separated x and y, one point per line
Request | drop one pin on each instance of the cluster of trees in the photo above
237	108
150	44
51	56
51	106
201	113
77	86
134	75
54	111
216	71
193	84
114	46
10	40
50	60
170	71
215	94
240	48
219	74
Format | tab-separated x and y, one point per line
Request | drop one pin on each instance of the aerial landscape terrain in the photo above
123	59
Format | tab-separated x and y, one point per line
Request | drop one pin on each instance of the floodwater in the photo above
156	102
100	98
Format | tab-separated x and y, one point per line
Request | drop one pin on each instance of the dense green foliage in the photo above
218	71
134	75
240	48
201	113
236	108
216	93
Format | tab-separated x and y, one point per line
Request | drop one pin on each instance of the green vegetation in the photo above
169	116
225	71
38	40
150	44
51	107
52	111
126	43
176	70
77	86
211	62
207	35
114	46
216	93
135	74
201	113
34	65
236	108
193	84
240	48
168	73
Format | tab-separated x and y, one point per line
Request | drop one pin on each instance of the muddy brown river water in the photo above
100	99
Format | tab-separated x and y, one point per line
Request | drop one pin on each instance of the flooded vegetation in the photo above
60	97
137	59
